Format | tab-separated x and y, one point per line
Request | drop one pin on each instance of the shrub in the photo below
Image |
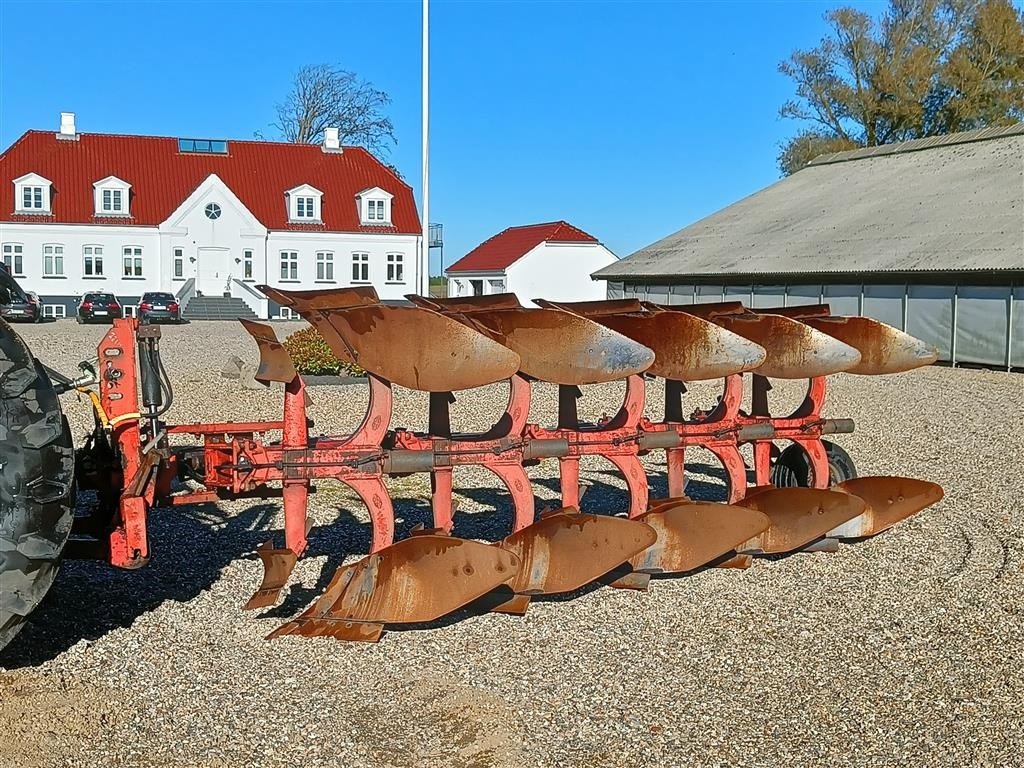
313	357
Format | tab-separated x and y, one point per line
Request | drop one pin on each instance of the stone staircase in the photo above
217	308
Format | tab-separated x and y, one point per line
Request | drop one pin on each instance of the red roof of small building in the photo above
510	245
162	177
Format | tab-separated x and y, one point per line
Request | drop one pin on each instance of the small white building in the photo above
538	261
196	217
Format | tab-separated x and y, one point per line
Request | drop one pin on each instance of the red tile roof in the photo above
258	172
510	245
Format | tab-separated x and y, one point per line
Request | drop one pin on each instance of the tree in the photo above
324	96
926	67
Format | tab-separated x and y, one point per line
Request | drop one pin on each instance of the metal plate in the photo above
594	308
275	362
278	565
563	348
330	298
473	303
686	347
417	348
692	534
795	349
567	550
417	579
889	500
799	516
883	349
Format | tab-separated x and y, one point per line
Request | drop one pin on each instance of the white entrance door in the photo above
213	271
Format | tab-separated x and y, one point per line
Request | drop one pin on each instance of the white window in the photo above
325	266
247	264
285	313
179	264
396	268
112	201
129	310
53	260
14	258
92	261
374	206
289	265
55	310
111	196
32	198
360	267
304	203
132	261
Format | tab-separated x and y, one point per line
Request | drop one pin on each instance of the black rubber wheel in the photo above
37	466
792	468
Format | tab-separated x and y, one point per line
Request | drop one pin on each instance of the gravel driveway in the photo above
904	648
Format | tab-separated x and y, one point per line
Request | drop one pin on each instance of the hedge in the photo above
312	357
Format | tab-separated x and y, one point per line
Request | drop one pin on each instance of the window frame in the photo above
54	256
136	269
360	263
17	257
178	260
110	188
325	266
290	258
247	261
92	256
395	268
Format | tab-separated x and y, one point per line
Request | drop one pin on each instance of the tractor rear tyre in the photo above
37	465
792	468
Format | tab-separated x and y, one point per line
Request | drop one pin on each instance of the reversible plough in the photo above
804	498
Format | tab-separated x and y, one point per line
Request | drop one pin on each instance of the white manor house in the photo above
84	212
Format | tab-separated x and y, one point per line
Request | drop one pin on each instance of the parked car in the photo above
20	305
98	306
156	306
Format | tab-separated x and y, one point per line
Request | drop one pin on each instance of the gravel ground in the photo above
903	648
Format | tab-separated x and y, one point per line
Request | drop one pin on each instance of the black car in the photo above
17	304
99	307
159	306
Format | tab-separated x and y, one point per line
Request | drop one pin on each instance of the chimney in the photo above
67	127
331	141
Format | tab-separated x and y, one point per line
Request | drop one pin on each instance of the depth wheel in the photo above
37	464
793	468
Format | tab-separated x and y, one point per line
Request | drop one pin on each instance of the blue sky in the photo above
628	119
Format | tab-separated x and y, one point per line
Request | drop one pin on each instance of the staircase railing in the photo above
186	293
257	301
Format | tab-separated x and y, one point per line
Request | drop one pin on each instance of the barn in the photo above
926	235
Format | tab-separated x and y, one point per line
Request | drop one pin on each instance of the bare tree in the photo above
325	96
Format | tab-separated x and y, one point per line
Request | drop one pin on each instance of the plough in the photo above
806	497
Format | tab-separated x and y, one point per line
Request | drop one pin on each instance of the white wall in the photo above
560	272
74	237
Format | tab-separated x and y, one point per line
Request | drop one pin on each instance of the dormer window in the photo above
304	204
374	206
32	194
111	197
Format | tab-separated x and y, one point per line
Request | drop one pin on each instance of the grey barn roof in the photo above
953	202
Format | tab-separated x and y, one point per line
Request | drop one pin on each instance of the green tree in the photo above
925	67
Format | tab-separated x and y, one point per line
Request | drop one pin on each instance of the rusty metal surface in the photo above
275	362
416	347
563	348
883	349
418	579
473	303
692	534
278	565
328	298
567	550
687	347
797	312
794	349
594	308
798	516
707	310
889	500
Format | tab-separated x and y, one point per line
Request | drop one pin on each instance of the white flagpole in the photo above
424	271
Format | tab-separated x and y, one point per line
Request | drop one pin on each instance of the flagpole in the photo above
424	270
